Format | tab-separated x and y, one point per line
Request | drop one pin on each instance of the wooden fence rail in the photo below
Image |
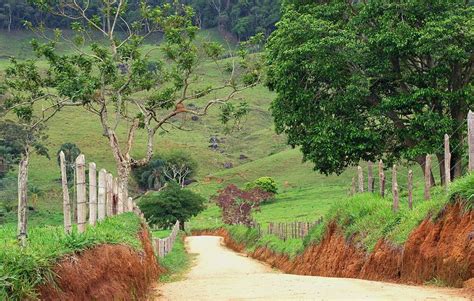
286	231
164	245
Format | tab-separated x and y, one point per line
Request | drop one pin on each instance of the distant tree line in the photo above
241	18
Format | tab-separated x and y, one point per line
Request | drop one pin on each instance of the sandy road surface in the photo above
220	274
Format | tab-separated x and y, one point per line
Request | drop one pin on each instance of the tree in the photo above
171	204
71	152
372	79
151	175
179	167
25	87
114	80
238	205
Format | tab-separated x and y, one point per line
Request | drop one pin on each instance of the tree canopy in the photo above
373	79
242	18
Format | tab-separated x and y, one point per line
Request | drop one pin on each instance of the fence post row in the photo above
164	245
103	198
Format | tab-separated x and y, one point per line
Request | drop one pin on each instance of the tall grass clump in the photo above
462	191
366	218
22	270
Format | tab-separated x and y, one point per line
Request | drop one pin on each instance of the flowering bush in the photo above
237	205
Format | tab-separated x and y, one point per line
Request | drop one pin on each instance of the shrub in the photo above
237	205
150	176
267	184
172	203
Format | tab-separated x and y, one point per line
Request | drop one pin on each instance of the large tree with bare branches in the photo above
124	82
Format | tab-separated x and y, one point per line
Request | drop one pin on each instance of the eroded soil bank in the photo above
106	272
441	250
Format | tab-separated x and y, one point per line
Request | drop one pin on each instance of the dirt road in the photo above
220	274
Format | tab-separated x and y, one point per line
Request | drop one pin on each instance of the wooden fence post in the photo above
395	188
447	162
470	139
102	200
381	179
360	176
110	194
81	192
118	201
66	200
410	189
92	194
353	187
370	177
427	193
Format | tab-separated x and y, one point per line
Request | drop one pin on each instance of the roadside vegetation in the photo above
23	269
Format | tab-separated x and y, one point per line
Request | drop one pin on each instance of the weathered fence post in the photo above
410	189
470	139
447	162
92	194
102	200
353	187
118	201
81	193
130	205
395	188
360	176
427	193
66	200
110	194
370	177
381	179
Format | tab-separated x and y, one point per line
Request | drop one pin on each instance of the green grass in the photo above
21	270
177	262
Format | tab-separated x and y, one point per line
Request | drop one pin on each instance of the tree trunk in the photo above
181	225
123	171
23	198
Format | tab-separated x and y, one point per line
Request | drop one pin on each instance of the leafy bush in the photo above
237	205
267	184
172	203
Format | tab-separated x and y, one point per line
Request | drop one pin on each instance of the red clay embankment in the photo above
105	272
442	250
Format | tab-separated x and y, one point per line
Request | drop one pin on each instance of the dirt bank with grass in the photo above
440	251
105	272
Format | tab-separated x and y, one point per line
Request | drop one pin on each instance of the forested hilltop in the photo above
241	18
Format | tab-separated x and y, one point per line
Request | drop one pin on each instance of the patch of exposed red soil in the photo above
106	272
443	250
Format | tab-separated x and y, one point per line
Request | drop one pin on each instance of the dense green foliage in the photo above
242	18
267	184
21	270
171	204
372	79
463	190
